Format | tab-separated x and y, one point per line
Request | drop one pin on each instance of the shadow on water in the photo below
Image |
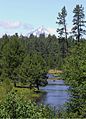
56	93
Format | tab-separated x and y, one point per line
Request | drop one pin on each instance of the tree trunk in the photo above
37	86
14	84
78	37
66	37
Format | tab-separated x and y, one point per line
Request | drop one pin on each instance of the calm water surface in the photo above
56	93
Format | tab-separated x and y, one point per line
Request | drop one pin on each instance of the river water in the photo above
56	93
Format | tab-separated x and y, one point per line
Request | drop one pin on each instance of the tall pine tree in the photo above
62	31
61	21
78	22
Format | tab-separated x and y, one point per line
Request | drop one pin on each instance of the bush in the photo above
15	107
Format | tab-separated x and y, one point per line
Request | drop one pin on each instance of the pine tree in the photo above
62	31
78	22
13	53
33	71
61	21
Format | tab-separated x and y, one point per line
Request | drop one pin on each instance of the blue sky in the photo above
23	16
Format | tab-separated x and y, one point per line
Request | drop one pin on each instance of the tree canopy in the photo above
78	22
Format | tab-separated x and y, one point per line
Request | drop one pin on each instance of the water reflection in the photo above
56	93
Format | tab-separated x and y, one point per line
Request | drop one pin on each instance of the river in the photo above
56	93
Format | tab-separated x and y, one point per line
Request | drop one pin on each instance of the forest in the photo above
25	62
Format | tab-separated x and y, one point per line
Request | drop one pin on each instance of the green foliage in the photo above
25	61
13	53
7	85
63	48
16	107
62	31
33	71
18	65
75	76
48	48
62	22
78	22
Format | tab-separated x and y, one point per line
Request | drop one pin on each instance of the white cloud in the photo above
10	24
15	24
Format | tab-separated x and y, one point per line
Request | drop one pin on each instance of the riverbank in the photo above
25	93
55	74
53	94
55	71
15	106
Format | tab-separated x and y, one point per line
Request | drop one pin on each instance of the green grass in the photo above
2	93
25	93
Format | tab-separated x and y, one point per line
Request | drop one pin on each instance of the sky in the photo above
22	16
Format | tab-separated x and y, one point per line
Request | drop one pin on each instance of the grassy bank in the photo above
25	93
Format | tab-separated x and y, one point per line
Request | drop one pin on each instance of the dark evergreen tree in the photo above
75	76
47	47
61	21
33	71
62	31
78	22
13	53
